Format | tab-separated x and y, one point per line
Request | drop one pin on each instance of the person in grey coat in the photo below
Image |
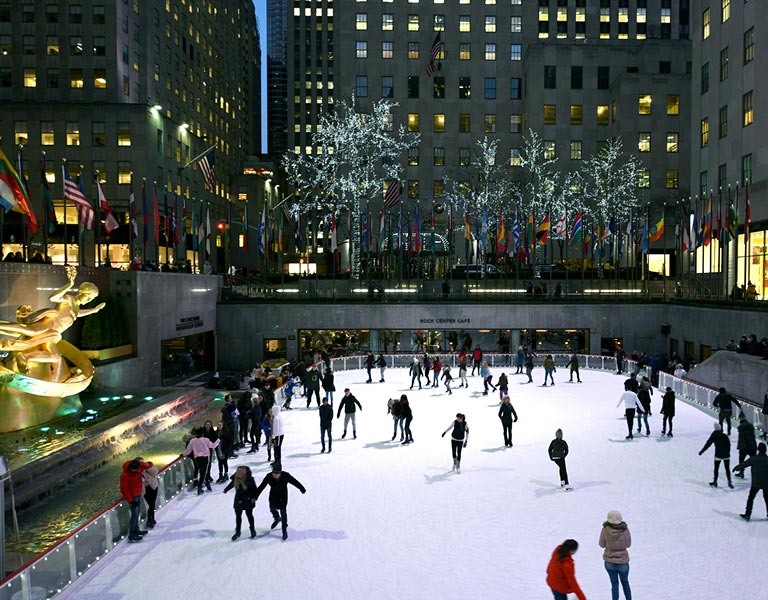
759	466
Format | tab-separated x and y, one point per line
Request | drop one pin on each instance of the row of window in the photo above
722	176
21	133
76	78
748	55
747	118
53	14
706	17
52	46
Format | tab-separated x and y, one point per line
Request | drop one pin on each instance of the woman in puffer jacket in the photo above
615	538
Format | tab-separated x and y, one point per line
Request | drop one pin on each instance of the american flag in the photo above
74	193
392	197
208	168
434	51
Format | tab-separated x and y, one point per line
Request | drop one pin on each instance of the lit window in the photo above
46	133
465	87
490	24
20	133
413	50
549	149
438	123
577	114
514	157
75	45
575	149
76	78
672	179
100	79
438	87
73	133
516	24
413	188
361	49
747	111
550	112
413	156
673	104
465	51
465	121
644	178
705	24
387	50
438	156
465	25
644	104
361	21
123	133
438	23
52	45
490	51
123	172
387	22
642	15
666	16
644	141
413	22
515	123
725	10
515	52
464	160
602	114
704	132
30	78
413	121
672	141
489	124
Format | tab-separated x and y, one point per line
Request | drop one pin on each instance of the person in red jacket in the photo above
561	574
131	487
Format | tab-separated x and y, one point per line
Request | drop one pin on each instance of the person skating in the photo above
213	435
149	479
558	450
633	383
393	408
508	416
200	448
266	427
278	432
348	403
631	404
426	363
459	436
437	369
415	371
245	498
313	386
477	359
463	374
549	369
326	423
485	373
529	366
724	402
759	466
447	378
131	486
256	414
278	481
369	362
747	444
381	362
644	393
561	573
520	360
329	385
668	410
615	538
620	356
407	415
722	453
503	385
573	365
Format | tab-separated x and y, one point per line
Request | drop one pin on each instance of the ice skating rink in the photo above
381	520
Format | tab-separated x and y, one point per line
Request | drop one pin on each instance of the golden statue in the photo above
41	373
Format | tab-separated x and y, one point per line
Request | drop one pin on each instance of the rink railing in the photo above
48	574
701	396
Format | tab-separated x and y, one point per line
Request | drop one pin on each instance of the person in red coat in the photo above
561	574
131	487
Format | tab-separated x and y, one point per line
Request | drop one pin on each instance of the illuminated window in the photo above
577	114
515	52
644	141
73	133
52	45
387	22
465	51
602	114
438	188
490	24
489	123
515	123
413	121
465	121
549	149
438	123
76	78
387	50
516	24
123	133
644	178
575	149
673	104
672	141
413	50
20	133
704	132
413	156
413	188
100	79
465	25
438	156
75	45
464	159
438	87
514	157
725	10
30	78
644	104
438	23
123	172
490	51
361	21
361	49
705	24
413	22
550	114
672	179
747	111
46	133
465	87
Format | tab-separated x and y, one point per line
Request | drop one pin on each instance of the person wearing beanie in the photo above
561	573
278	481
722	452
759	466
558	450
724	402
668	410
747	444
506	414
615	538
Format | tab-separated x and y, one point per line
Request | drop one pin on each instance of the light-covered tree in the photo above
358	153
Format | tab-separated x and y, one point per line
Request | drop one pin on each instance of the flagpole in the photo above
198	157
97	221
25	239
64	168
746	235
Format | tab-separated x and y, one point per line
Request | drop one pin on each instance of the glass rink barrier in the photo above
48	574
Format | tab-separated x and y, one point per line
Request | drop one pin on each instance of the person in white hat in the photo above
615	538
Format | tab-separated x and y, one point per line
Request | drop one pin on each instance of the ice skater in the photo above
463	374
631	404
437	369
200	448
722	453
747	444
278	481
278	433
529	366
549	369
507	415
393	408
407	415
615	538
558	450
459	436
485	373
724	402
644	398
573	364
381	362
759	466
668	410
370	361
447	377
326	424
131	487
149	478
561	573
348	403
503	385
415	372
329	385
245	498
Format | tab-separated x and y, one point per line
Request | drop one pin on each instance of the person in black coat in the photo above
407	414
369	362
722	453
747	444
507	414
278	481
326	422
348	404
558	450
632	384
724	402
255	415
759	465
313	386
381	362
415	372
620	356
668	410
245	498
328	385
459	438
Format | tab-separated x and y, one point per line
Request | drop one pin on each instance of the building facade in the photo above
129	92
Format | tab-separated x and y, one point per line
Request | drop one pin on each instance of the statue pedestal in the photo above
19	410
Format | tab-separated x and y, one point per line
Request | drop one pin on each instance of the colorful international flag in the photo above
110	222
392	195
656	228
542	231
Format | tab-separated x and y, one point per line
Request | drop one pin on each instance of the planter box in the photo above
109	353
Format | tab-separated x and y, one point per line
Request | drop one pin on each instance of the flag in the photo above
207	166
708	223
244	230
560	228
11	186
417	231
516	232
432	233
747	219
501	235
686	241
166	218
24	204
382	233
467	227
484	232
433	53
208	231
695	240
145	212
110	223
263	230
731	223
392	196
656	228
134	231
155	216
183	224
334	238
644	242
542	231
48	199
174	221
194	231
529	239
74	193
629	229
576	231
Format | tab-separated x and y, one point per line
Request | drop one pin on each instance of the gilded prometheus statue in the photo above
41	369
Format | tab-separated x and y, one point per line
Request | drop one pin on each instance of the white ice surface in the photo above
381	520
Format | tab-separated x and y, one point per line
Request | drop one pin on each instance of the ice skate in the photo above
745	516
236	535
275	523
253	533
568	488
730	485
343	435
713	484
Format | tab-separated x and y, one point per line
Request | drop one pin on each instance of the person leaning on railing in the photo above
131	487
